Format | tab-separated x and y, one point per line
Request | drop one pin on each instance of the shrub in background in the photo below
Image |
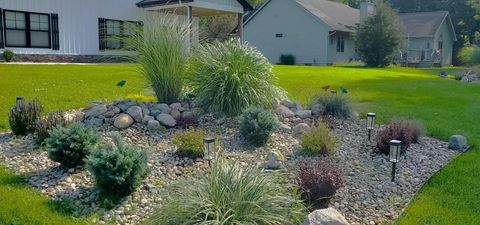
48	122
257	125
287	59
8	55
469	55
23	117
334	105
230	194
118	168
162	48
407	131
71	145
189	143
318	140
232	76
318	180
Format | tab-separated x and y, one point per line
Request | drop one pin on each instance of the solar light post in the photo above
20	100
395	152
209	149
334	93
370	124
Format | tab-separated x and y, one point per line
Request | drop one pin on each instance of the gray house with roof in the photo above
320	32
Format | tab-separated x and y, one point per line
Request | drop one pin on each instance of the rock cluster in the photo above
294	117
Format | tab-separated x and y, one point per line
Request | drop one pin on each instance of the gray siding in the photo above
445	35
349	53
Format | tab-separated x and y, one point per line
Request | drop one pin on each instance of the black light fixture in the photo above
395	153
334	93
20	100
209	149
370	124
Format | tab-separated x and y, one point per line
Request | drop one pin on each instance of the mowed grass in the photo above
445	107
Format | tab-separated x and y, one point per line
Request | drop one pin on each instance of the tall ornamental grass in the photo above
232	76
230	194
162	49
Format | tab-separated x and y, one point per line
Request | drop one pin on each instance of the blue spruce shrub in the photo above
257	125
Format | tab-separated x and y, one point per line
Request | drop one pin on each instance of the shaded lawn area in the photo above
445	107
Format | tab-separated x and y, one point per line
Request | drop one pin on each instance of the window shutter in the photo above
102	34
55	32
2	43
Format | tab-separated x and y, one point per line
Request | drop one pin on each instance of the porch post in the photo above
240	25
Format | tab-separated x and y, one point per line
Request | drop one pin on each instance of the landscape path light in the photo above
20	100
395	152
209	149
334	93
370	124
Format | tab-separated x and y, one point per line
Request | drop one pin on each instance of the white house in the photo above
78	30
320	32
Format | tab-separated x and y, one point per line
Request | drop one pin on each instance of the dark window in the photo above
440	45
27	29
340	44
278	35
428	45
114	32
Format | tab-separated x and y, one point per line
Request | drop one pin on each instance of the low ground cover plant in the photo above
47	123
23	116
334	105
189	143
232	76
71	145
318	180
407	131
118	168
318	141
257	125
230	194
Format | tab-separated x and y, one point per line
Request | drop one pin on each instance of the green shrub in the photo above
23	117
318	140
162	52
469	55
189	143
119	168
407	131
334	105
71	145
230	194
229	77
8	55
257	125
287	59
45	124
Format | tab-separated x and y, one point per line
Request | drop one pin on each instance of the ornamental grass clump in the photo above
232	76
318	141
162	50
118	168
334	105
23	117
257	125
230	194
407	131
71	145
48	122
189	143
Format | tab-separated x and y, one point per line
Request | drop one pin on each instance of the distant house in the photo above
78	30
320	32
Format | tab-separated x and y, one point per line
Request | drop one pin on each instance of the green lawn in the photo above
445	107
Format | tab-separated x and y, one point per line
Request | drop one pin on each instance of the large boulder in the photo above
153	125
458	142
284	111
328	216
164	108
124	105
123	121
176	105
300	128
303	114
166	120
95	111
136	113
176	114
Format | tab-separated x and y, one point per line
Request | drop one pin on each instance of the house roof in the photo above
423	24
339	17
150	3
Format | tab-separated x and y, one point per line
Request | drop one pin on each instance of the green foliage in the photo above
23	117
71	145
189	143
318	141
379	36
287	59
469	55
162	48
230	194
48	122
229	77
8	55
118	168
257	125
334	105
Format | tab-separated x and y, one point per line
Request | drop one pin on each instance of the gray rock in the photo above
145	110
166	120
110	114
176	114
303	114
317	109
155	112
285	127
458	142
74	116
95	111
124	105
288	104
147	118
94	122
273	161
123	121
154	125
188	115
136	113
176	105
284	111
328	216
300	128
164	108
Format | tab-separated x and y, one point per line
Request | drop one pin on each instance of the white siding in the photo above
304	36
349	53
445	34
